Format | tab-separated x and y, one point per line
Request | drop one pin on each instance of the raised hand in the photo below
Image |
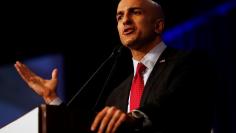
43	87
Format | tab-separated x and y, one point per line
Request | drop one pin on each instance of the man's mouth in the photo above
128	31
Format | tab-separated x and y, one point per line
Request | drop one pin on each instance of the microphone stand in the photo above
107	80
116	52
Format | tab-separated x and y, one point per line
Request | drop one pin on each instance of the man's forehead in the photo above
126	4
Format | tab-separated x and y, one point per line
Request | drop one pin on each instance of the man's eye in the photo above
118	18
137	12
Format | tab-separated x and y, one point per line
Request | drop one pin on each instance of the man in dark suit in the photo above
175	91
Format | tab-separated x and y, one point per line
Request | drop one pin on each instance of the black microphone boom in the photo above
115	53
110	74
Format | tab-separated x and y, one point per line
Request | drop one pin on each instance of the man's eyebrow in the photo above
129	9
134	8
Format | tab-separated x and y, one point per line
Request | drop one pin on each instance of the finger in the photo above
26	69
115	117
18	62
119	122
98	118
20	72
26	74
106	119
55	73
22	67
17	66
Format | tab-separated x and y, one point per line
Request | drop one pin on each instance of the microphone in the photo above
115	53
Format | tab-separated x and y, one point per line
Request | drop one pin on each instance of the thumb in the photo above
55	73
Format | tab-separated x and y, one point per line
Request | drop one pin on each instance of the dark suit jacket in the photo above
177	95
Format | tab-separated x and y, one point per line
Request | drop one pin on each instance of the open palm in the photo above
43	87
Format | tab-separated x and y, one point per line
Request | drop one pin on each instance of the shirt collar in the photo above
150	59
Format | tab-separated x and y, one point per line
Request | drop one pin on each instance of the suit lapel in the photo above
155	74
120	95
125	93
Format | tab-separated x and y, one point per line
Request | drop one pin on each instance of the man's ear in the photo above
159	26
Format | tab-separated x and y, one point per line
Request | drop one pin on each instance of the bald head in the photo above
157	10
150	6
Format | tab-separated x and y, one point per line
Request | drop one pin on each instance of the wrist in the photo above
49	98
137	118
137	115
141	119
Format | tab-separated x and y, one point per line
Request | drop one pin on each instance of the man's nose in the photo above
127	19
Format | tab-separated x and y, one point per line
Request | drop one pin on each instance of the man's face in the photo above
135	22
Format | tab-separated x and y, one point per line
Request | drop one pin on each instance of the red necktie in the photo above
137	87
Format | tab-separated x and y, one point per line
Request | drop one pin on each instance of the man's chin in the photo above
128	43
132	45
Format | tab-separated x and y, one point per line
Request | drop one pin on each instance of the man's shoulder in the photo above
173	54
193	54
